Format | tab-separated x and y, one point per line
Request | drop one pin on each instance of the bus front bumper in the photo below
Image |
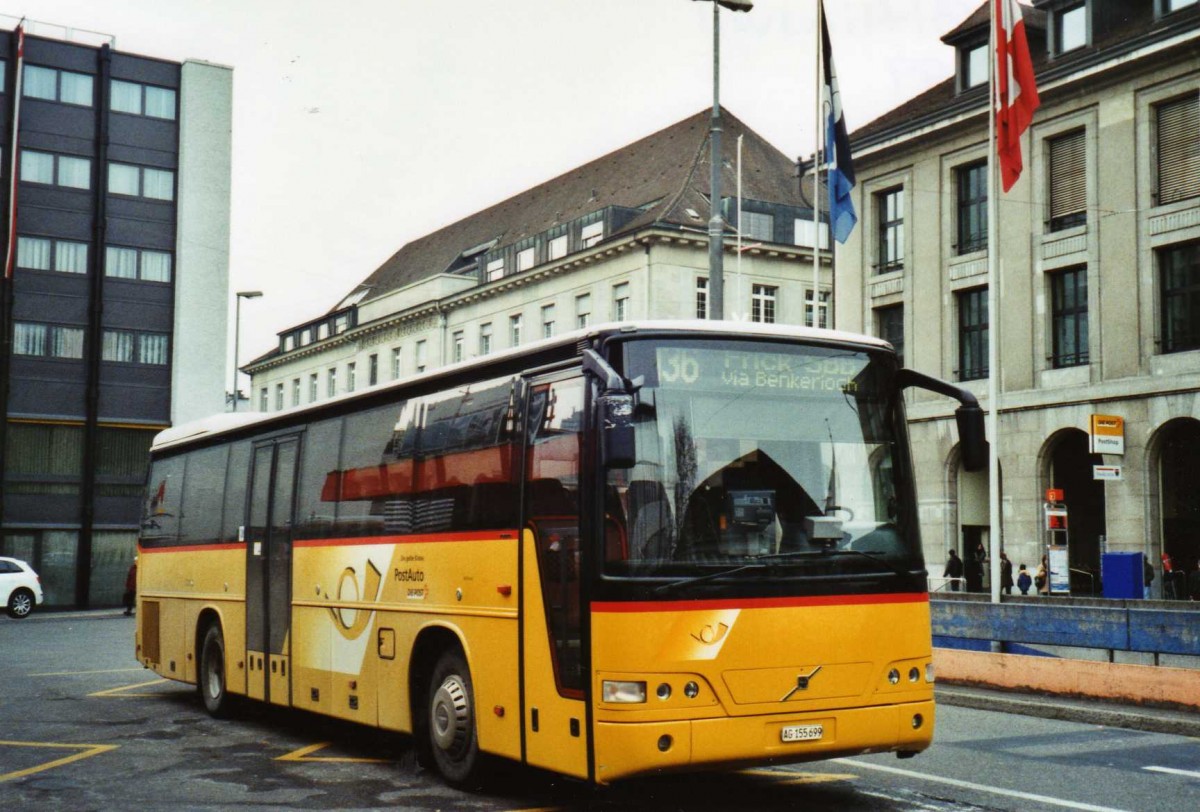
630	748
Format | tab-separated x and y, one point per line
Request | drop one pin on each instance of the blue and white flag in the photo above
837	146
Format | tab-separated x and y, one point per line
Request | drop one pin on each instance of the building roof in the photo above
666	172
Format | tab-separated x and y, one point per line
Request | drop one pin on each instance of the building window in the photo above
289	342
758	226
373	370
396	363
972	208
458	343
420	355
57	85
548	321
805	229
1178	141
557	248
701	297
1070	28
128	346
495	269
56	170
485	338
41	254
583	310
1179	270
137	263
351	376
526	258
889	209
279	397
295	391
142	100
1068	181
312	388
331	382
592	233
620	295
1069	318
47	340
152	349
889	325
974	66
322	331
762	303
262	399
141	181
514	330
972	334
822	307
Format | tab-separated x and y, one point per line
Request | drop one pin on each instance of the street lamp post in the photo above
716	225
237	335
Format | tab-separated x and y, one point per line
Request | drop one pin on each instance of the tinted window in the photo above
163	501
204	495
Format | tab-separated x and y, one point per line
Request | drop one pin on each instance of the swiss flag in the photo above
1015	93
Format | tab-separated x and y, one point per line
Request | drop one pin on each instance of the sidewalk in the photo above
1087	711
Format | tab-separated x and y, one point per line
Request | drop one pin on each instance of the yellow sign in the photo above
1107	434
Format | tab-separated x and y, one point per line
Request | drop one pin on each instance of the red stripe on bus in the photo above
435	538
757	603
192	548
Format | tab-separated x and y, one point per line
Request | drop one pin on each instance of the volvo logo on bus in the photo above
801	684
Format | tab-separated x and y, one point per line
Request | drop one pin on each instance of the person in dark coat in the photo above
953	571
974	570
1006	576
131	587
1024	580
1147	575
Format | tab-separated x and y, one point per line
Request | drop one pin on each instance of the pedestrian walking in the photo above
131	587
1147	574
1006	575
1024	580
953	571
1041	578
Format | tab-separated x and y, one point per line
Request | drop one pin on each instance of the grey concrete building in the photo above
1099	280
119	292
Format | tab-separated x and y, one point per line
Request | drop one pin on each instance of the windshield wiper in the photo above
710	576
831	552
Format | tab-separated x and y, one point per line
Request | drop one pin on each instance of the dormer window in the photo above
1070	28
974	68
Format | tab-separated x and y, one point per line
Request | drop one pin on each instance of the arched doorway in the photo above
1070	469
1179	497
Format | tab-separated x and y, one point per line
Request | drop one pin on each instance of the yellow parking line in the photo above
79	673
121	690
303	755
88	750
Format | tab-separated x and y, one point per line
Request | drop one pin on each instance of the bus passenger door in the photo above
555	720
268	570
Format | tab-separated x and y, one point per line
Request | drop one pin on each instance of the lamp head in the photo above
249	294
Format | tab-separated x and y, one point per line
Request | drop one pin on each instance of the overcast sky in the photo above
361	125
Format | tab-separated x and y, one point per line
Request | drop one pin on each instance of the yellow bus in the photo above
641	547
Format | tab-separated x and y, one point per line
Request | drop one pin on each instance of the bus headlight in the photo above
629	693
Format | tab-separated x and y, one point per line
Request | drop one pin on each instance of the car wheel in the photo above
20	603
451	723
211	678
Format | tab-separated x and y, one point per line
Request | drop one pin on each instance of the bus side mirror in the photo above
972	439
616	430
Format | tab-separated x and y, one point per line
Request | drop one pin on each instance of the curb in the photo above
1131	717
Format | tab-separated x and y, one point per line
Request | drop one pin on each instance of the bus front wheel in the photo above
451	723
211	678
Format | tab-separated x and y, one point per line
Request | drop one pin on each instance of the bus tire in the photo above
210	677
451	726
20	604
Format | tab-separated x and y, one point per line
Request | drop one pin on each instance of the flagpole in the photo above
993	297
820	123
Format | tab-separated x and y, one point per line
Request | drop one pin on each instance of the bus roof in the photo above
214	425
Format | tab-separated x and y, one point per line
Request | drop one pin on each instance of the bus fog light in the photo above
893	676
623	692
914	674
930	675
918	720
663	692
664	743
691	690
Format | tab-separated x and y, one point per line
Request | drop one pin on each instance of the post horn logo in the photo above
350	621
711	635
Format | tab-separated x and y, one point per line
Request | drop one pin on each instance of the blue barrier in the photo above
975	624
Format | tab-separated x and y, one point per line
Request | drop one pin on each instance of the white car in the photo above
20	587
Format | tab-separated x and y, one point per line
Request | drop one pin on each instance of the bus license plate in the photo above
801	733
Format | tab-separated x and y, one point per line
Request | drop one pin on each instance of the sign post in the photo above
1058	567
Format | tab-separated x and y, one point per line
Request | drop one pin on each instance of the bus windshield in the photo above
761	460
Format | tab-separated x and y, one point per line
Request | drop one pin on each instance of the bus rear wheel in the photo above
211	677
451	723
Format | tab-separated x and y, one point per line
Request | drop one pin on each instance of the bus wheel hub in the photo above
451	716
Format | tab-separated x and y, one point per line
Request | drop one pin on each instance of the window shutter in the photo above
1179	149
1068	176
